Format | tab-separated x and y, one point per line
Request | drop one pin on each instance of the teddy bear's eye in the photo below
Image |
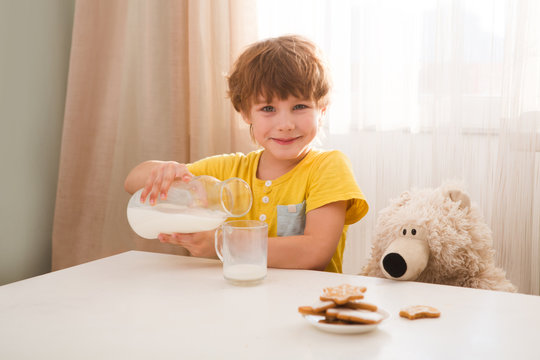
404	231
413	231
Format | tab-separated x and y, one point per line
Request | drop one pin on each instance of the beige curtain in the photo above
146	81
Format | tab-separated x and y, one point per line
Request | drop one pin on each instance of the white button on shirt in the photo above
265	199
268	183
262	217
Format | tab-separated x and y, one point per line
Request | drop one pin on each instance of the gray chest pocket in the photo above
291	219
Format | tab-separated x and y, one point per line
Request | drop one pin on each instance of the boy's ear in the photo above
323	114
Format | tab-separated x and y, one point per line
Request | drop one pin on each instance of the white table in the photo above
139	305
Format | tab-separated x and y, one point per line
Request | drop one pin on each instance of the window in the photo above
403	64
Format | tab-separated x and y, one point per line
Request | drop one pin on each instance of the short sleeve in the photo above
331	180
218	166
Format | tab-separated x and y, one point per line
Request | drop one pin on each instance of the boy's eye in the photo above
299	107
267	108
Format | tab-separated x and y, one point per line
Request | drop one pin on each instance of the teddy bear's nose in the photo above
395	265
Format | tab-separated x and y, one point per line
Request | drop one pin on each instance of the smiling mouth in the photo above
285	141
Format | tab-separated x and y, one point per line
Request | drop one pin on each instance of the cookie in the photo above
360	305
419	312
334	322
343	293
318	308
354	316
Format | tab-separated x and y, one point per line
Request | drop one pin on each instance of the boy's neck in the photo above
270	168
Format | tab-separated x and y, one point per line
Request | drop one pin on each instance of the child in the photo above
308	197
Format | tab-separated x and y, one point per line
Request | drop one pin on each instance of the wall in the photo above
35	41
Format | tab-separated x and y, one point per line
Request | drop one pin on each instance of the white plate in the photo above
344	329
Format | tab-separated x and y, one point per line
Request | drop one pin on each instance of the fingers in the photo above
161	178
185	240
151	183
156	188
198	244
170	174
183	174
168	238
164	238
146	189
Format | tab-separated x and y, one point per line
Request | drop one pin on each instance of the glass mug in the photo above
201	204
242	246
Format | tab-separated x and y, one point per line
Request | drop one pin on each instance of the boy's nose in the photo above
285	123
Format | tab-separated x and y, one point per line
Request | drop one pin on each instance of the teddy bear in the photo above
435	236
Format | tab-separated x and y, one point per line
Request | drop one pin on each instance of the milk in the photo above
148	222
244	272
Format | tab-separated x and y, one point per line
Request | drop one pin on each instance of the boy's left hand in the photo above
199	244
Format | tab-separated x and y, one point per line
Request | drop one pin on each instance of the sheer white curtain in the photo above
427	91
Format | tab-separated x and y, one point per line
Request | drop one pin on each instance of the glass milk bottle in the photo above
201	204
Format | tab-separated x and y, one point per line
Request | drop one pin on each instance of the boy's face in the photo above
285	128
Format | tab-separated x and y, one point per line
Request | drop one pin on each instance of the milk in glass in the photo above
244	272
242	246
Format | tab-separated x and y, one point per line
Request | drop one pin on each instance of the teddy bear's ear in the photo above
403	198
458	195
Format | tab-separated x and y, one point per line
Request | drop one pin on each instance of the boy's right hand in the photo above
160	180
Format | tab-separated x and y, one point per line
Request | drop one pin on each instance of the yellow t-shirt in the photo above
322	177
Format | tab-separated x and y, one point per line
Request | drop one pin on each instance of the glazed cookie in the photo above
360	305
354	316
419	312
318	308
334	322
343	293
